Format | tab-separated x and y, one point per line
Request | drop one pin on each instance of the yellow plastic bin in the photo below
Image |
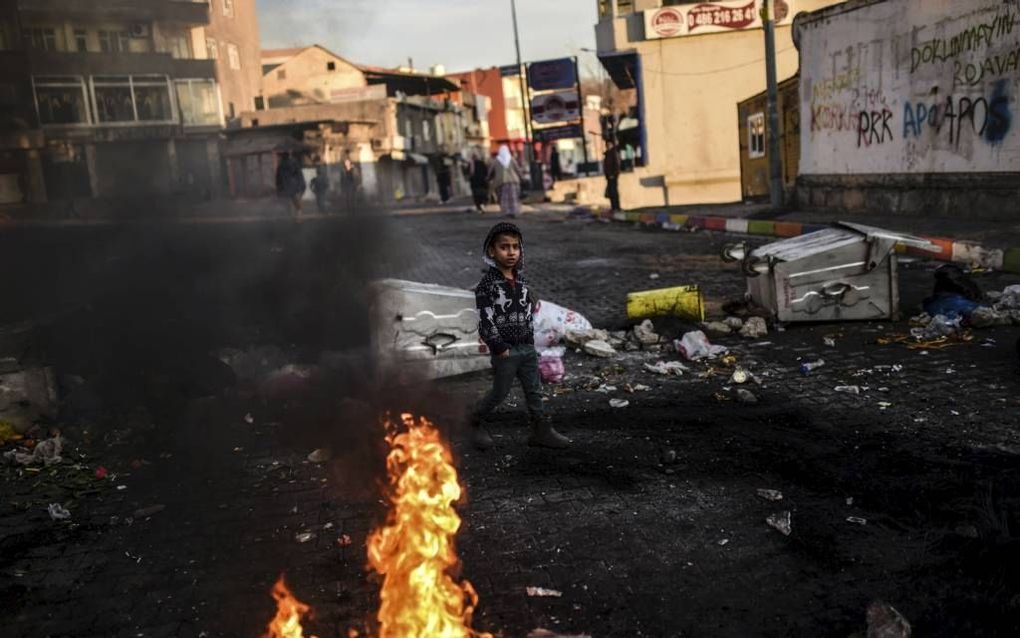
685	302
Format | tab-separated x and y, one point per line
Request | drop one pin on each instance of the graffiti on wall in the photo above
912	86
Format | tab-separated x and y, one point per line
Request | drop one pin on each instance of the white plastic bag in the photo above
695	345
552	322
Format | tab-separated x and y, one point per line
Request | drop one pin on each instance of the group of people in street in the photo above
291	185
503	177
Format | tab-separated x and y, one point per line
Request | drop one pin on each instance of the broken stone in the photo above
885	622
542	592
985	317
781	521
618	403
754	328
319	455
645	333
734	323
577	338
770	495
717	327
58	512
599	348
746	396
666	367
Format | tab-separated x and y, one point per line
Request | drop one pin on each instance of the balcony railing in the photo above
55	63
182	11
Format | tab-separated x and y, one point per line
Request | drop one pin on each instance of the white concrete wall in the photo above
912	86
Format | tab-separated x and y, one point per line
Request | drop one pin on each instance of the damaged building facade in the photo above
910	106
118	100
406	130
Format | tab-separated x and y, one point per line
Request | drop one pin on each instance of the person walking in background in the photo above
350	182
290	182
320	186
478	177
611	169
555	168
506	178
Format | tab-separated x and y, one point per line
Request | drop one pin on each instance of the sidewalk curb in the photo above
953	250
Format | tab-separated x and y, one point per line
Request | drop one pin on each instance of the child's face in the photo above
505	250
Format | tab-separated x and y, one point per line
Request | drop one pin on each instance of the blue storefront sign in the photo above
550	75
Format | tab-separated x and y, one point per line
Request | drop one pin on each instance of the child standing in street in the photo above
505	308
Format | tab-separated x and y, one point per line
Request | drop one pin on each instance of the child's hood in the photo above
502	228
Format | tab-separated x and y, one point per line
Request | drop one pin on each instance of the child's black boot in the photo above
543	435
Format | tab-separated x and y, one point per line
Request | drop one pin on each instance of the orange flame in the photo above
289	610
414	551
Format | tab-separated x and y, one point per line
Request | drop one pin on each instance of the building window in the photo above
199	102
61	100
281	74
179	45
139	98
260	103
756	135
426	133
228	8
81	40
233	56
331	66
42	38
211	50
114	41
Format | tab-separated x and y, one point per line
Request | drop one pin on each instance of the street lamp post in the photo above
528	153
775	161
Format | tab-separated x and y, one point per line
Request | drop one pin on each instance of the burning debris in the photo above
414	552
289	612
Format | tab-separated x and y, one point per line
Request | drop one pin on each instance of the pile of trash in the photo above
606	344
958	302
750	328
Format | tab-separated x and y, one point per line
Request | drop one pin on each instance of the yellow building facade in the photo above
690	63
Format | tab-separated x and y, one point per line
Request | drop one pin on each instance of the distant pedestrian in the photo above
290	182
350	183
320	186
506	306
555	168
611	169
505	176
444	179
478	177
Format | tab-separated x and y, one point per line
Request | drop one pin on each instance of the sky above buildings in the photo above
459	34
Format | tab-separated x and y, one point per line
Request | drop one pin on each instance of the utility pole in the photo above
775	161
524	92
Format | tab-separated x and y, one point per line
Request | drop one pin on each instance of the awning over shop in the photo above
622	68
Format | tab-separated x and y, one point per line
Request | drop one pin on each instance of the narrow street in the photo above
649	525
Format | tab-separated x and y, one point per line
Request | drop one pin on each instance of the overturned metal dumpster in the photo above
847	272
425	331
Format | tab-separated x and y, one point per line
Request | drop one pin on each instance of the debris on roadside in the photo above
550	365
644	333
829	341
754	328
885	622
848	389
618	403
734	323
577	337
599	348
319	455
668	368
695	345
809	366
667	456
717	327
746	396
304	537
739	376
685	302
26	395
58	512
542	592
781	521
769	495
856	520
44	453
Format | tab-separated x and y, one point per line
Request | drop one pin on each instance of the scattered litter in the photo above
856	520
319	455
695	345
885	622
746	396
807	367
666	367
599	348
545	633
101	472
939	326
58	512
249	419
718	327
640	387
606	389
882	405
121	488
146	512
848	389
667	456
722	542
645	333
770	495
618	403
754	328
654	275
781	521
739	376
344	541
550	364
829	342
8	433
304	537
542	592
45	453
735	323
